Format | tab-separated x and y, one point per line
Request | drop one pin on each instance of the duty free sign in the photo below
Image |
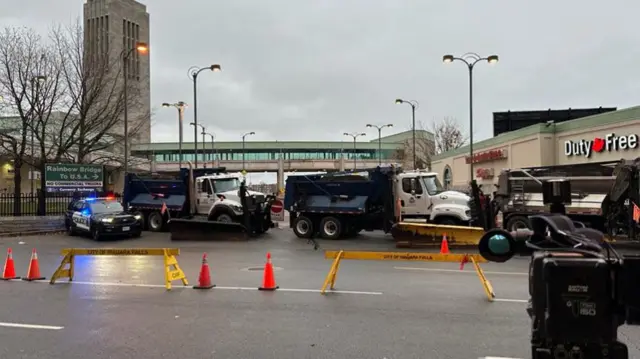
608	143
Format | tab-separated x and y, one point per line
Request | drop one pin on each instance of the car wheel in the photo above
70	230
95	234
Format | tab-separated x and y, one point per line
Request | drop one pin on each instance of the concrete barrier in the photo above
30	225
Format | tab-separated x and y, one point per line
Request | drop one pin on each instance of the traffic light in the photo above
497	245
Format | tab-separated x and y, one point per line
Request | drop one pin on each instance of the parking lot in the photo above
117	307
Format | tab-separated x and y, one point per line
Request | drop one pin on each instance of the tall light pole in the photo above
193	75
180	105
354	135
36	81
140	48
213	151
470	59
379	128
414	105
243	137
204	150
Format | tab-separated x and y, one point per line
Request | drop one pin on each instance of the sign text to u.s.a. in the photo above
73	176
610	143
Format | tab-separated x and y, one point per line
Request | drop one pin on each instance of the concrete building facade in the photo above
114	27
605	137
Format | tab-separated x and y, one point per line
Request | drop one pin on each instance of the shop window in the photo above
448	177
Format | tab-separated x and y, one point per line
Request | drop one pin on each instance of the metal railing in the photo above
56	204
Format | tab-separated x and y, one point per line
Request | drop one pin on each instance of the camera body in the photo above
573	311
581	290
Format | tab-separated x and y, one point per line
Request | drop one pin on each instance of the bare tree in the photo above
424	149
96	97
448	135
68	106
25	62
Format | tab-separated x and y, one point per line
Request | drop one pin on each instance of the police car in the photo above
101	217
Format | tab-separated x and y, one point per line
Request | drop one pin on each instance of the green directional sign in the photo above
65	177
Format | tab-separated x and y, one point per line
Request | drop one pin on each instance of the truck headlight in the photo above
107	220
137	217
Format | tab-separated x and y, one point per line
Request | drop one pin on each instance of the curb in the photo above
31	233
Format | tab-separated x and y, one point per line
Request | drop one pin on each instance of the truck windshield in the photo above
432	184
226	184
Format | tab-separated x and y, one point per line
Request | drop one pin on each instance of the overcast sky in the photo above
311	70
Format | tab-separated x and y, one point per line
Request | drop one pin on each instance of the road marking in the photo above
300	290
29	326
510	301
458	271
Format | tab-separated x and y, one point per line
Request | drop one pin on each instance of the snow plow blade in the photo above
412	235
203	230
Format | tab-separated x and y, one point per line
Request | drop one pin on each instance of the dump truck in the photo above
204	195
601	195
339	205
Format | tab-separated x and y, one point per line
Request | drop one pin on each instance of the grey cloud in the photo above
305	70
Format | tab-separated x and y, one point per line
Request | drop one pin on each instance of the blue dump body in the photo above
150	192
343	192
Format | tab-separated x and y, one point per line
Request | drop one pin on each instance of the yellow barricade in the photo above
338	256
172	270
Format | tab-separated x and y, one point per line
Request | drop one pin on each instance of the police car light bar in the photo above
100	198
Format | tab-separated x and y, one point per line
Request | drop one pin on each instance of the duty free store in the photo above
609	136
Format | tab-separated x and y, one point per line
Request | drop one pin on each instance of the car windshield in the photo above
105	207
432	184
226	184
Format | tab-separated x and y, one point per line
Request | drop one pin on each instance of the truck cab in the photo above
218	197
422	196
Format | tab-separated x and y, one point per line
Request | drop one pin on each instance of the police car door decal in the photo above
81	220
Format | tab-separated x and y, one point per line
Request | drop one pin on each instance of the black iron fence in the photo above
55	204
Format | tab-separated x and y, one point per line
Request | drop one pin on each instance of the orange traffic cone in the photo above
9	271
444	247
204	280
269	280
33	273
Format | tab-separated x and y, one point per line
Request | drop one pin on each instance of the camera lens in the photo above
498	244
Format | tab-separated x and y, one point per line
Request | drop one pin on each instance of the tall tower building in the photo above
113	27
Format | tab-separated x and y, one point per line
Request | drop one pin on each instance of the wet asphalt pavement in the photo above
117	306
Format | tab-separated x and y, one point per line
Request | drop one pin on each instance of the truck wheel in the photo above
517	222
223	217
330	228
155	222
303	227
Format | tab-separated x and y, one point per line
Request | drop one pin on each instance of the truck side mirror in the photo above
413	186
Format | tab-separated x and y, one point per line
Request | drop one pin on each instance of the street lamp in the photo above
36	81
243	137
470	59
204	150
354	135
194	71
379	128
140	48
180	105
414	105
213	151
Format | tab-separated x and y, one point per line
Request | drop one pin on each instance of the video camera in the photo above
581	289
